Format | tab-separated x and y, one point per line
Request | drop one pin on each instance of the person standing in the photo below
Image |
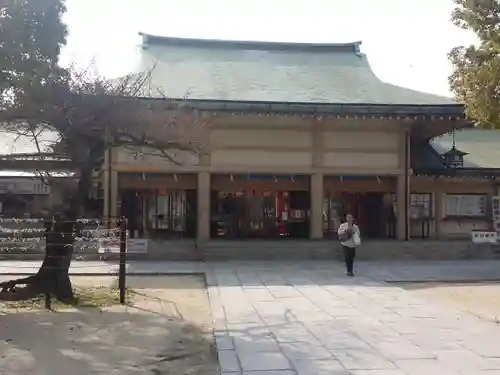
350	238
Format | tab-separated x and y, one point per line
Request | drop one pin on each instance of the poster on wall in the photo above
495	208
495	213
420	206
472	205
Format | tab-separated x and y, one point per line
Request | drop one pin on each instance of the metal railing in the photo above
26	234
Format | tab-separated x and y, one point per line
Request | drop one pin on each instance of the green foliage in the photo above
476	77
31	36
87	114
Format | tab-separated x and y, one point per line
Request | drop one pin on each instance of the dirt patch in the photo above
479	299
167	330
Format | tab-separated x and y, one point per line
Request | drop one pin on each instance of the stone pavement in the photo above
312	320
307	318
105	268
388	271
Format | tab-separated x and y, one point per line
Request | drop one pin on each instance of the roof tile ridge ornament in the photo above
150	39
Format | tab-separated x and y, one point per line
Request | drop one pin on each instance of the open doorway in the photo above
262	214
372	208
373	212
166	215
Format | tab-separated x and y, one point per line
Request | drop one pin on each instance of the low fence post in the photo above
123	255
48	301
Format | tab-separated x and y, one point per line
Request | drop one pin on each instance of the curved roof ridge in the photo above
416	92
150	39
207	69
364	62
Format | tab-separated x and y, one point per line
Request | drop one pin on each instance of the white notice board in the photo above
112	245
465	205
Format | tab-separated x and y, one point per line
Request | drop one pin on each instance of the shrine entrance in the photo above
260	206
374	212
370	199
159	206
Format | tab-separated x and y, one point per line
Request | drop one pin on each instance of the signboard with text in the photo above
484	237
112	245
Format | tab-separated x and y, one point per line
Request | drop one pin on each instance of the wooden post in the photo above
123	254
316	217
48	302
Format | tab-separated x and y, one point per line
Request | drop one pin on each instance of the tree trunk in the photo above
55	267
53	275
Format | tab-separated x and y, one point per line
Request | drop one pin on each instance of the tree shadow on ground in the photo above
119	340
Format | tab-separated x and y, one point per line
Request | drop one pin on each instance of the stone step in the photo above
188	250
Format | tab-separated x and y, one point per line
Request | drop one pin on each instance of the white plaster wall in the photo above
361	160
141	156
260	138
360	140
260	158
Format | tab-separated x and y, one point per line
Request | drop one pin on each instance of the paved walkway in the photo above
284	320
388	271
309	319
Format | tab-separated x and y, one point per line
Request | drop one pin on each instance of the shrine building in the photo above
300	135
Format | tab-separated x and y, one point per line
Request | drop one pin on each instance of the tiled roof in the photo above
482	146
11	143
424	157
270	72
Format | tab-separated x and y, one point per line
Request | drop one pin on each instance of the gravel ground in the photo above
167	330
479	299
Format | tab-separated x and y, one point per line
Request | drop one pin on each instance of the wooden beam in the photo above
431	129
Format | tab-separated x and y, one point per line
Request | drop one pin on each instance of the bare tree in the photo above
89	115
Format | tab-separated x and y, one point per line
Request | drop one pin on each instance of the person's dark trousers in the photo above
349	254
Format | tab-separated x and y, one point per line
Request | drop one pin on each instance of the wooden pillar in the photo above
110	188
496	193
316	185
316	218
403	189
401	208
114	194
203	219
438	211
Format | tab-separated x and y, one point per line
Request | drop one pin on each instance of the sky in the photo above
406	41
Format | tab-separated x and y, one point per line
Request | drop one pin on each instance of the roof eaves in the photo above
461	171
420	111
